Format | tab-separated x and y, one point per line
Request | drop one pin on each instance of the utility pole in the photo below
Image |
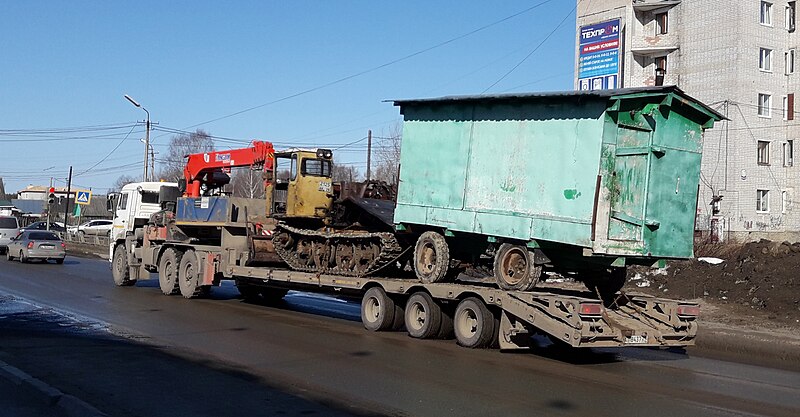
50	206
146	135
69	190
369	154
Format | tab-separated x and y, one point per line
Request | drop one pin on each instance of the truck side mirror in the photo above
111	199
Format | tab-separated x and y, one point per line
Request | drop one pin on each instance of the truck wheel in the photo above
379	311
168	271
474	324
189	275
423	316
119	268
514	268
431	257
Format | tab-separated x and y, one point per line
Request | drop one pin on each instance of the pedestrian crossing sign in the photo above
83	197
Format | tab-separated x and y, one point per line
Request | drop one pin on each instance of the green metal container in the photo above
613	172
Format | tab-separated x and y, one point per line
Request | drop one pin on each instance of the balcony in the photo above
650	5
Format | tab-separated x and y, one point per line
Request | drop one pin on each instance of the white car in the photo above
92	227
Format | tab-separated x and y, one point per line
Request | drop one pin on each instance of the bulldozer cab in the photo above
301	184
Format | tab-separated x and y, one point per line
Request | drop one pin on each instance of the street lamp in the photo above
146	135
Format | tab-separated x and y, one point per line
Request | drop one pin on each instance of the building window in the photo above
765	59
785	201
763	152
788	153
661	24
766	13
788	107
785	107
762	201
790	16
660	63
789	61
764	105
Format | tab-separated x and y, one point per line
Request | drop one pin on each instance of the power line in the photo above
534	49
375	68
109	154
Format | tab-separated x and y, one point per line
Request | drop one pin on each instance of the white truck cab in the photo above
132	208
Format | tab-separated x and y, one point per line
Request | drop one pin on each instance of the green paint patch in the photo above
571	194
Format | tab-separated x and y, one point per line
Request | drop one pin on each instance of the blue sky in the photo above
68	64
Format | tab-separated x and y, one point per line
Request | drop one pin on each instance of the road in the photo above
315	346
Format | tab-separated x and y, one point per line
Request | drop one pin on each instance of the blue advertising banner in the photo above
598	58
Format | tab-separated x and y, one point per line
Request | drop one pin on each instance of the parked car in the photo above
54	227
9	229
92	227
37	244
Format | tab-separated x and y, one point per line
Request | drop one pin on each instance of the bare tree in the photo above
344	173
247	182
121	181
180	146
387	155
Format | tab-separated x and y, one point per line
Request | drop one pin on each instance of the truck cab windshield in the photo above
316	167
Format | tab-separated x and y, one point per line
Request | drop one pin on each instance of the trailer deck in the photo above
566	315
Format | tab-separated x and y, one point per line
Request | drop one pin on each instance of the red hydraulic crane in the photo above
210	168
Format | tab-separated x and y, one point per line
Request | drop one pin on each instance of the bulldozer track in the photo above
337	253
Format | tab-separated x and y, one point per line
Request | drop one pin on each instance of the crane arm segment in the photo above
201	167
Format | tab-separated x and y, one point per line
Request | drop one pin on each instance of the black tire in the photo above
189	276
514	269
8	255
249	293
378	310
60	261
119	268
474	324
431	258
272	296
168	271
22	258
423	316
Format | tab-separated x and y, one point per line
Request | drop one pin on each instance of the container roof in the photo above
569	94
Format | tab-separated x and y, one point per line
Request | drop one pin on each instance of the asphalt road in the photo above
314	346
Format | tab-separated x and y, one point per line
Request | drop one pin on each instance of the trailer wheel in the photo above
423	316
168	271
514	268
119	268
474	324
431	257
189	275
379	311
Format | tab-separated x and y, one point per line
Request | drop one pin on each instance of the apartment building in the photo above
740	58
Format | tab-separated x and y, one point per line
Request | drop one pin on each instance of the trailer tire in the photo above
378	310
423	317
189	275
168	271
431	257
119	267
514	268
474	324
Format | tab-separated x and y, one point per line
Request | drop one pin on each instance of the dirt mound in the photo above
759	278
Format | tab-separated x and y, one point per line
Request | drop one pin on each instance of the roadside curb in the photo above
70	405
749	346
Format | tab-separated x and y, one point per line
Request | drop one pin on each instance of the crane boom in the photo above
208	167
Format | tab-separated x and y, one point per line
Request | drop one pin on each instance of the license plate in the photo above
325	186
46	246
636	339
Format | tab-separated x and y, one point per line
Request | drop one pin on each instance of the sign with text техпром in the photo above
598	58
83	197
